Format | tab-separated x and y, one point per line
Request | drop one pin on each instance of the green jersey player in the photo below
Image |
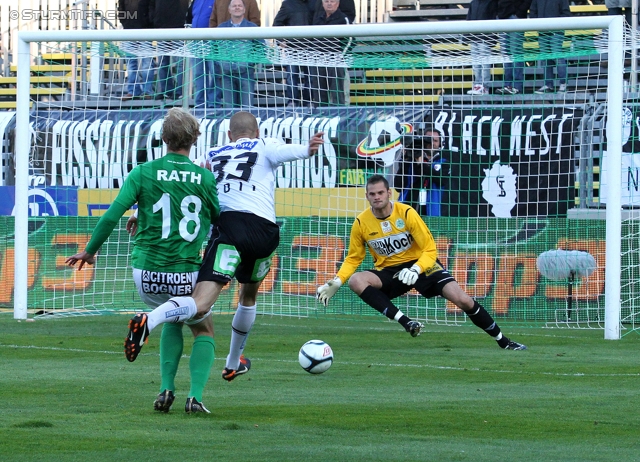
177	202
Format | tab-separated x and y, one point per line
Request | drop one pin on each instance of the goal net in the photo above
495	131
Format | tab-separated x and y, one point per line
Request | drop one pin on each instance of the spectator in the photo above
204	81
326	80
139	78
237	79
620	7
511	44
167	14
348	7
419	177
481	10
221	13
551	42
296	13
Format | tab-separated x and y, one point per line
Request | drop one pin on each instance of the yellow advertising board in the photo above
290	202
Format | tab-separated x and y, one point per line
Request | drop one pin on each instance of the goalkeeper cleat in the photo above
511	345
164	401
138	334
194	407
414	328
243	368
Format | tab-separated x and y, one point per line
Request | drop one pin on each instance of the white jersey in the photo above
245	173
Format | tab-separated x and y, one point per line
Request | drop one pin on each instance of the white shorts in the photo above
156	287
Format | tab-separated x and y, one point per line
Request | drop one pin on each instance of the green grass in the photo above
451	394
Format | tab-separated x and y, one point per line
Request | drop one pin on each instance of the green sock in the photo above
171	344
202	355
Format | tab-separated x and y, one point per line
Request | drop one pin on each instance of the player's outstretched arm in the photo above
278	152
328	290
101	233
315	142
82	257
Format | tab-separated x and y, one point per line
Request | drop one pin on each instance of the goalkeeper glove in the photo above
328	290
409	276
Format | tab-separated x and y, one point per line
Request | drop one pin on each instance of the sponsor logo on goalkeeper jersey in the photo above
155	282
391	245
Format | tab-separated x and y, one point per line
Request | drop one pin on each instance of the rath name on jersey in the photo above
193	177
391	245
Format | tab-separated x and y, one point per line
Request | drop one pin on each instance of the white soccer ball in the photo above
315	356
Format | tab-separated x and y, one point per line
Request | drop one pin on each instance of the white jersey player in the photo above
245	173
245	236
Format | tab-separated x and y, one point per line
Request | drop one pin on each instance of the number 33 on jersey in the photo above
245	173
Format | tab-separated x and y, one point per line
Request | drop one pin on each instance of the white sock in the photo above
177	309
240	327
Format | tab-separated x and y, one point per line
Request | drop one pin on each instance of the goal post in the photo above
614	206
366	52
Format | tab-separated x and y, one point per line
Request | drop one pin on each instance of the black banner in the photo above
509	163
501	162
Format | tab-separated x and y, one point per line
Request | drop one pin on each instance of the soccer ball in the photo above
315	356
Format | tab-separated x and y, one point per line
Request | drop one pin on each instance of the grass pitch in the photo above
449	395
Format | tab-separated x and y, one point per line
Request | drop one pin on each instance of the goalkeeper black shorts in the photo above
241	246
429	283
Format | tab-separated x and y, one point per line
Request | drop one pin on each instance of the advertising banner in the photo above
629	179
500	162
496	264
630	159
43	202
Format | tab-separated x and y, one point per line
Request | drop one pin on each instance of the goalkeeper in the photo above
405	257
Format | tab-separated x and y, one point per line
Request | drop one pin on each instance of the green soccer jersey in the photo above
177	201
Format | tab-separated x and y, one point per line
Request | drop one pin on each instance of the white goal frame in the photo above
613	24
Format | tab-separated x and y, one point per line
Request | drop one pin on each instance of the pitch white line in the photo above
432	331
349	363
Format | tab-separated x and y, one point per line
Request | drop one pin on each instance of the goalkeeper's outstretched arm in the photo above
349	266
328	290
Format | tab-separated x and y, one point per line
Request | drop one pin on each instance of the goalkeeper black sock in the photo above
481	318
380	302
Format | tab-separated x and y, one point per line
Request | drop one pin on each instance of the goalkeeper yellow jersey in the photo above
401	237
